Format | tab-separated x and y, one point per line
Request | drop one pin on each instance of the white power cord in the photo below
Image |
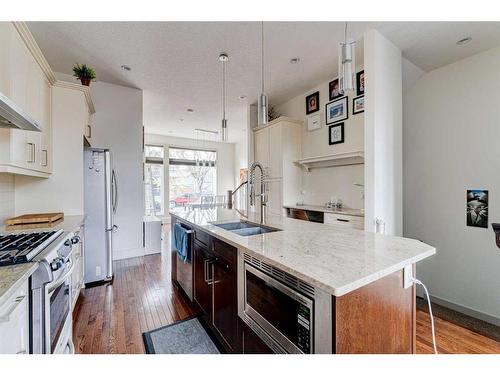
416	281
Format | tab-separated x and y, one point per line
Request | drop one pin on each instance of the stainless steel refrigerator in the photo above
101	200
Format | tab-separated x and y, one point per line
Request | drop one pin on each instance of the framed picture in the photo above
333	89
336	134
337	111
358	105
477	208
312	103
313	122
360	83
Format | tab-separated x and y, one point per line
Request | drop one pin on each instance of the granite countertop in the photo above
11	277
335	259
342	211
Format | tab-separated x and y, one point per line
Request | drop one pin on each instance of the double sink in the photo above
246	228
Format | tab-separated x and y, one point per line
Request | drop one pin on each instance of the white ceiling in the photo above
176	63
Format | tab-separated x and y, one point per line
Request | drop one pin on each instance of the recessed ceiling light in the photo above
126	67
463	41
294	60
243	97
190	110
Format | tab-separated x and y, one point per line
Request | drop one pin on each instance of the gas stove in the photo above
18	248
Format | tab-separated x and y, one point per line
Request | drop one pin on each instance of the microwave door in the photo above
283	313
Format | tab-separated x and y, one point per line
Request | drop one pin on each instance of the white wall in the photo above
6	196
226	165
63	190
321	184
117	125
451	135
383	135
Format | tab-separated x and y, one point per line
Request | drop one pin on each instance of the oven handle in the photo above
55	284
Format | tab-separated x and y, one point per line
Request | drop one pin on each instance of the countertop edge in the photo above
337	292
17	284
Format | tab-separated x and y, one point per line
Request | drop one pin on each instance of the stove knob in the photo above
56	264
75	240
67	243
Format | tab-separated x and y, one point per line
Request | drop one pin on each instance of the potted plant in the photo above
84	73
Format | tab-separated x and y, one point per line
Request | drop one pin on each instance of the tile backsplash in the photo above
6	196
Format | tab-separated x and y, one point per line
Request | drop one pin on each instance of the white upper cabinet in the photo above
24	83
277	146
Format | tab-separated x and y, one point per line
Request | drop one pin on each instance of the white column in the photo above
383	134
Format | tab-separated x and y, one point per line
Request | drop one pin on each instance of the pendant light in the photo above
223	57
347	65
262	102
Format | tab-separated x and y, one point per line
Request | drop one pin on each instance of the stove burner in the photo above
23	247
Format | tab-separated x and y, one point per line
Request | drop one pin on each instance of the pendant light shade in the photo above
262	105
347	65
223	57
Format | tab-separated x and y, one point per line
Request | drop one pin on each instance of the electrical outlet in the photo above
407	276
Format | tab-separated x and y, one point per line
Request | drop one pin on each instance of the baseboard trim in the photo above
465	310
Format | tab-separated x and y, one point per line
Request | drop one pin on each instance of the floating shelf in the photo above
337	160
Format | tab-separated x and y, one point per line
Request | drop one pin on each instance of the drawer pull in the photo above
6	317
343	220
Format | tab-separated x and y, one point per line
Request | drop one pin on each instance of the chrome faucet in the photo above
263	192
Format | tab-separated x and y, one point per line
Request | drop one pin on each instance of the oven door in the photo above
58	311
284	314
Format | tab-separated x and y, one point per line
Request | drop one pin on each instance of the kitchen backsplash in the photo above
6	196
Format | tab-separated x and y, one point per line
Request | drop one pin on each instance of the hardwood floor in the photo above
111	318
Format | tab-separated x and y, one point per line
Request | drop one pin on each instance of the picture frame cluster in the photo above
337	109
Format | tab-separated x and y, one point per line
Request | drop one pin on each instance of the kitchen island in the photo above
369	309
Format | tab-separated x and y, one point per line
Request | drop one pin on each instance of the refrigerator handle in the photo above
114	184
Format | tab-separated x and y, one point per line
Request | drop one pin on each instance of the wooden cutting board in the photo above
47	218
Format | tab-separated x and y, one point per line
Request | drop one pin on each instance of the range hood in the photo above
11	116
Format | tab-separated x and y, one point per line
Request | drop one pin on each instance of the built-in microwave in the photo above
285	314
289	314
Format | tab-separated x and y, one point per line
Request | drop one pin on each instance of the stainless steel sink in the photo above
245	228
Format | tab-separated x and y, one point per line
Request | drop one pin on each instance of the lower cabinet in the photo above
78	276
215	290
202	291
14	323
224	291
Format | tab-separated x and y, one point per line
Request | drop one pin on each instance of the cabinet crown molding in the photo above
79	87
277	121
35	51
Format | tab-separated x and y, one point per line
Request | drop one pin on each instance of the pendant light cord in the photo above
262	61
223	89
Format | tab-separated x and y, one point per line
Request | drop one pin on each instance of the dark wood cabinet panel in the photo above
224	289
251	343
202	290
227	252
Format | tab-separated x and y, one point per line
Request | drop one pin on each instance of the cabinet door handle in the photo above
90	131
207	264
29	150
46	159
34	152
6	317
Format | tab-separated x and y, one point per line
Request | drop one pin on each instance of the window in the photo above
153	180
192	176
